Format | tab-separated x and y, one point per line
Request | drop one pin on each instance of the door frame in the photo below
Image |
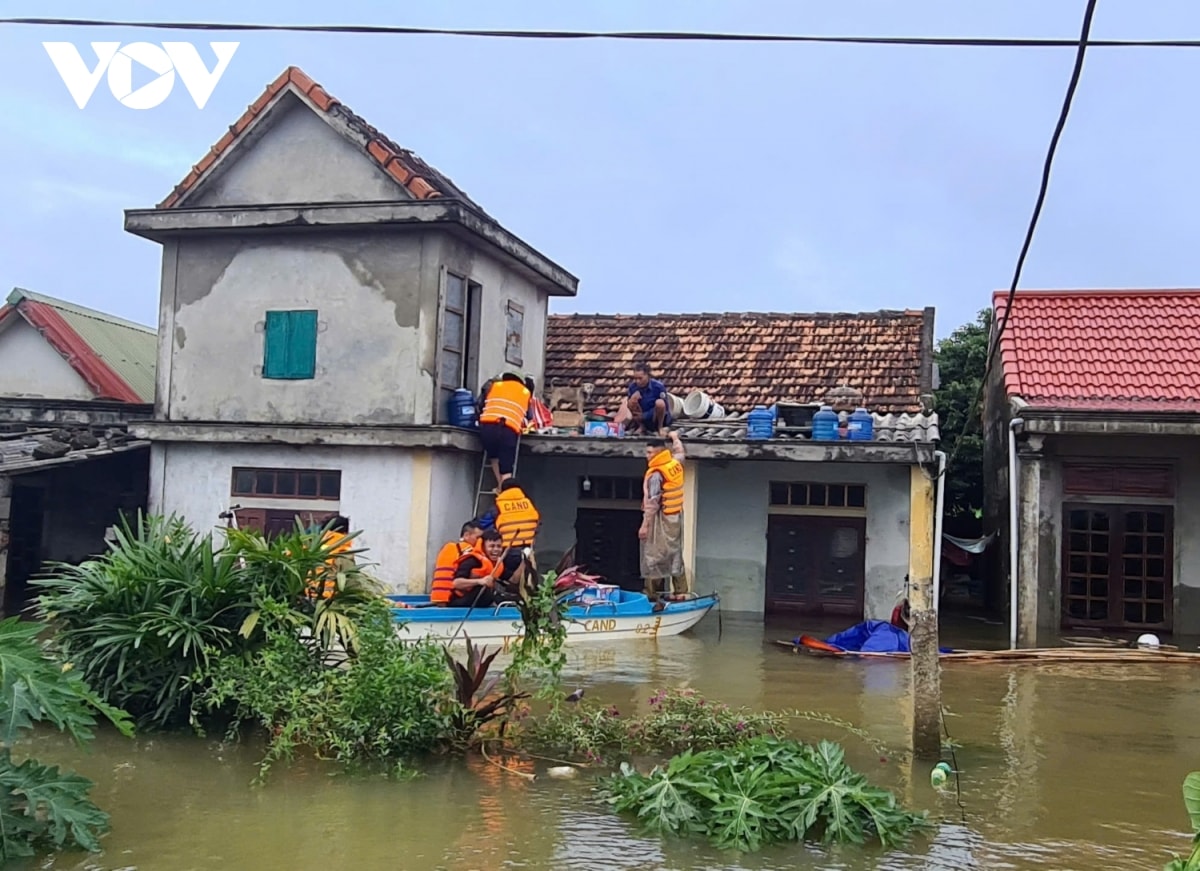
811	603
1117	511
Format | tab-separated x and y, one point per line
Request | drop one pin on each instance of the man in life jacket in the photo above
517	522
476	573
335	541
447	561
661	533
502	420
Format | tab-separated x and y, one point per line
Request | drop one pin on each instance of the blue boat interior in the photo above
626	604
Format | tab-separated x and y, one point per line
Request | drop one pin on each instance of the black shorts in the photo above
499	443
512	562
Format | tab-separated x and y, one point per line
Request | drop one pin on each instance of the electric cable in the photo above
641	35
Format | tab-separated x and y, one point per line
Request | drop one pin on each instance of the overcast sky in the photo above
669	177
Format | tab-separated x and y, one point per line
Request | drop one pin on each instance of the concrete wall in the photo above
29	366
301	160
451	500
731	522
193	480
1178	450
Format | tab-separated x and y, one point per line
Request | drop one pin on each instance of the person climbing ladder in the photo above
506	408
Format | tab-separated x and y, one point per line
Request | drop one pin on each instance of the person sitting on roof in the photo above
475	575
648	402
447	562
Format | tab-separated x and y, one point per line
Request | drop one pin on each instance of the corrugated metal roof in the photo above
130	349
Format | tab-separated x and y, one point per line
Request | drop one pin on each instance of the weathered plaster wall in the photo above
29	366
731	522
301	159
193	480
367	289
451	499
500	285
731	533
1177	449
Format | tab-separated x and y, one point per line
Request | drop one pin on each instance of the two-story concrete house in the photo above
324	291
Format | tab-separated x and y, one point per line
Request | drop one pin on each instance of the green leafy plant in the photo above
763	791
393	699
961	359
146	622
478	702
539	650
677	719
1191	801
41	806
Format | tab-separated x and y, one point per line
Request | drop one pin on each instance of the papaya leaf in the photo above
1191	799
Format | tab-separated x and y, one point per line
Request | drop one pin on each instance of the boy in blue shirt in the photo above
648	402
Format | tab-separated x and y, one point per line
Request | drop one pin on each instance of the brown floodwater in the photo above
1062	767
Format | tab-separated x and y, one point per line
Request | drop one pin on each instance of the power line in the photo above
643	35
994	344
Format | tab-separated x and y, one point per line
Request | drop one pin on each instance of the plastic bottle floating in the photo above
940	774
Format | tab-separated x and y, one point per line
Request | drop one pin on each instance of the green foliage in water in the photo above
147	621
538	653
764	791
1191	802
40	806
676	720
391	700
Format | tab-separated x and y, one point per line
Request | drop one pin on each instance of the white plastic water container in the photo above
675	405
700	406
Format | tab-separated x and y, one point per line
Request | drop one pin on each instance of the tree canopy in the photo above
961	359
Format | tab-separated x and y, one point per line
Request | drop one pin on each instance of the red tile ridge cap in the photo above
389	160
1076	293
79	354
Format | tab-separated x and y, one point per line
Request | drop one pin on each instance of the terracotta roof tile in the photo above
1113	350
421	179
743	360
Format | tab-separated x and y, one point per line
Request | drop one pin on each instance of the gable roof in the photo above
421	180
747	359
1114	350
117	358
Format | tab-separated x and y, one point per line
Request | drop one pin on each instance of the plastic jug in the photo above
862	426
462	411
760	423
825	425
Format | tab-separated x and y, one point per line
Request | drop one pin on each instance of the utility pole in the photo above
923	619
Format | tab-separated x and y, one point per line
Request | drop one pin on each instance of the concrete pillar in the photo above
923	622
1029	523
691	484
5	516
419	574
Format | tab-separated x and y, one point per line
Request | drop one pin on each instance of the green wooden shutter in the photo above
290	345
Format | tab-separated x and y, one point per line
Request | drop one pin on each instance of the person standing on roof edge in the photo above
503	418
648	402
661	533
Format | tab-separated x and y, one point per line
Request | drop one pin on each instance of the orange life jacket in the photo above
507	402
485	568
518	520
672	481
443	572
323	582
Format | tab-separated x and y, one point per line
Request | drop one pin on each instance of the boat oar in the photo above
475	601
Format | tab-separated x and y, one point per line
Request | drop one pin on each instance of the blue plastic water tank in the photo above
760	423
862	426
462	409
825	425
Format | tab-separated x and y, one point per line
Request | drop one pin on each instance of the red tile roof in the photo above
743	360
44	315
420	179
1103	350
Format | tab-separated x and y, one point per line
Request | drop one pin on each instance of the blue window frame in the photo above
290	345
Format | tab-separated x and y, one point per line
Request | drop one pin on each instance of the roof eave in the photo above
162	224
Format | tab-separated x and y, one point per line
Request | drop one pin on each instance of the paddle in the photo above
499	564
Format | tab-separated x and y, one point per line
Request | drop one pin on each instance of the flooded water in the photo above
1062	767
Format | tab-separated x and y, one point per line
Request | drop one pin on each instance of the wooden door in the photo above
1117	566
816	565
606	544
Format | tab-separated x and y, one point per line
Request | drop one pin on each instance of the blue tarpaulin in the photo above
874	636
